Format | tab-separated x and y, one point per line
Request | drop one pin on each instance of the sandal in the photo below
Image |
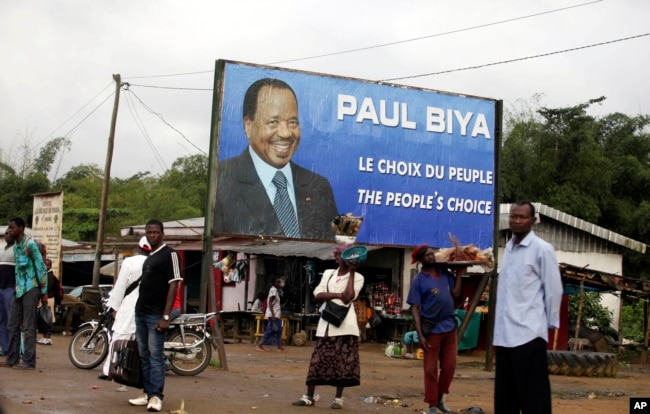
337	403
305	400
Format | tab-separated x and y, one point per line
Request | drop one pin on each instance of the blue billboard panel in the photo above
416	165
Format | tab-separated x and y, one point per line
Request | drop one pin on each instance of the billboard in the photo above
47	224
414	165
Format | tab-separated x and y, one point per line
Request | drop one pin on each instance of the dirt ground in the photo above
267	382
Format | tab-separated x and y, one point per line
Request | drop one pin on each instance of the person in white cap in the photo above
123	297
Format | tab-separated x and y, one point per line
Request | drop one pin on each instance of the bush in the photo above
594	314
633	317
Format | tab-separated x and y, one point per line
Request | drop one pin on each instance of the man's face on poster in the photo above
274	134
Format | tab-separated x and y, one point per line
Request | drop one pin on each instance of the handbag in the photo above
333	312
124	365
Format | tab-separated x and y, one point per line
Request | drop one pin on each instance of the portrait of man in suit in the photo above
262	192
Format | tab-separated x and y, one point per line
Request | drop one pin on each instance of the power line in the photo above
437	34
169	87
517	59
67	134
468	67
172	74
143	130
376	46
165	122
87	116
79	110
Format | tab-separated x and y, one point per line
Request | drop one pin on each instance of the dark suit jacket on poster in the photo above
243	207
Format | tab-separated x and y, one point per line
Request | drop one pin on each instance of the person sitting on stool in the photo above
411	339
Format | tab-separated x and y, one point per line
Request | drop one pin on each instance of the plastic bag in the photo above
375	319
44	322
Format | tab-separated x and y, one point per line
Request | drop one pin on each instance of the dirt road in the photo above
267	382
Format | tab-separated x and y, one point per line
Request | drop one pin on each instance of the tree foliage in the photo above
597	169
593	315
48	154
633	316
180	193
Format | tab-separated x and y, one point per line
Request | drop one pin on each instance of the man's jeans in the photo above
151	348
6	297
23	310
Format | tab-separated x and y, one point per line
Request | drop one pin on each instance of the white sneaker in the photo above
155	404
141	400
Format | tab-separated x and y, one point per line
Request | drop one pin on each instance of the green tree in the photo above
189	176
48	154
597	169
178	194
634	313
16	199
594	315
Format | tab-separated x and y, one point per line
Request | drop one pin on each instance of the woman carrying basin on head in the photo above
335	360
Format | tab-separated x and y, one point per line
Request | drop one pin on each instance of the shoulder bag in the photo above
334	313
124	365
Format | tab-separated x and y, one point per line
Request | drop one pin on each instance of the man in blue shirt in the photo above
431	297
31	285
529	294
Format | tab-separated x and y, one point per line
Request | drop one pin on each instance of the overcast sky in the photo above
59	57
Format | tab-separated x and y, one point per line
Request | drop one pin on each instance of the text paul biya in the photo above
438	120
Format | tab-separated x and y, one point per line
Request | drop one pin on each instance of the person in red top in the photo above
178	303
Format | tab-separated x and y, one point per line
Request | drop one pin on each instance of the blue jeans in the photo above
273	333
6	297
23	310
151	348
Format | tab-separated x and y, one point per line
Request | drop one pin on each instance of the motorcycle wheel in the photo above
193	362
88	355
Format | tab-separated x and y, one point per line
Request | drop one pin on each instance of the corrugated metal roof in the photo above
569	220
28	232
602	281
279	248
193	227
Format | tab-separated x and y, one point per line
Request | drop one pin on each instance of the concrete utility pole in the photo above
107	180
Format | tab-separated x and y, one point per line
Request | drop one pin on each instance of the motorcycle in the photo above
188	343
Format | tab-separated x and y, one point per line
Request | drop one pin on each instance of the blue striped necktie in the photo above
283	208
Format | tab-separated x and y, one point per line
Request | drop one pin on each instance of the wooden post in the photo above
579	315
107	180
216	330
207	268
472	306
646	337
492	305
620	324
